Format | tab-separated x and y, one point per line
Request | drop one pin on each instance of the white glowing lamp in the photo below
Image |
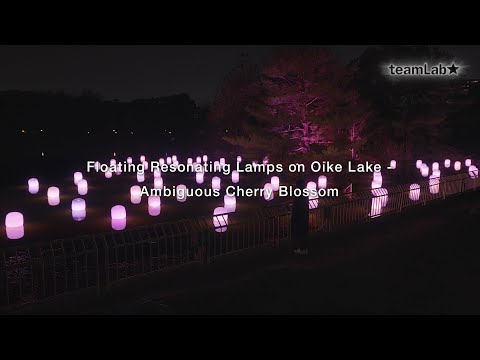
118	171
322	182
158	183
222	161
145	165
419	164
53	195
468	162
174	158
229	203
435	166
79	209
311	185
142	158
77	177
14	225
33	186
199	177
108	174
381	194
135	194
216	165
268	192
189	161
129	160
235	176
447	163
119	217
414	194
113	162
424	170
198	160
376	184
275	181
181	193
393	164
169	160
220	219
140	177
436	173
157	173
154	205
205	158
239	159
82	187
457	166
216	183
434	183
162	161
473	171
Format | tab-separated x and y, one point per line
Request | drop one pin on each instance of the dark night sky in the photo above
129	72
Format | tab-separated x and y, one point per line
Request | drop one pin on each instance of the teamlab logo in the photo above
423	70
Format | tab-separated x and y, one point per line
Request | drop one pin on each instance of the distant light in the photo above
23	131
77	176
393	164
457	165
275	181
131	132
235	176
435	166
43	154
169	132
468	162
447	163
108	174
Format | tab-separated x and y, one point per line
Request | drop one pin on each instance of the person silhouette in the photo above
299	222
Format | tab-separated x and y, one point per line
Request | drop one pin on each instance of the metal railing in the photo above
38	271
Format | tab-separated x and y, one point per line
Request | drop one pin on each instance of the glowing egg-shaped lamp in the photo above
216	165
145	165
169	160
181	193
189	161
157	173
434	183
79	209
33	186
199	177
468	162
393	164
220	219
140	177
311	185
82	187
435	166
161	161
119	217
235	176
14	225
216	183
198	160
77	177
239	159
457	165
447	163
142	158
135	194
322	182
53	195
108	174
436	173
229	203
376	184
268	192
418	164
113	162
129	160
205	158
473	171
118	171
222	161
414	193
424	170
158	183
174	158
154	205
275	181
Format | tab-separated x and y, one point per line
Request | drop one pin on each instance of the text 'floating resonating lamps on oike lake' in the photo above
119	217
220	219
79	209
14	225
33	186
53	195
